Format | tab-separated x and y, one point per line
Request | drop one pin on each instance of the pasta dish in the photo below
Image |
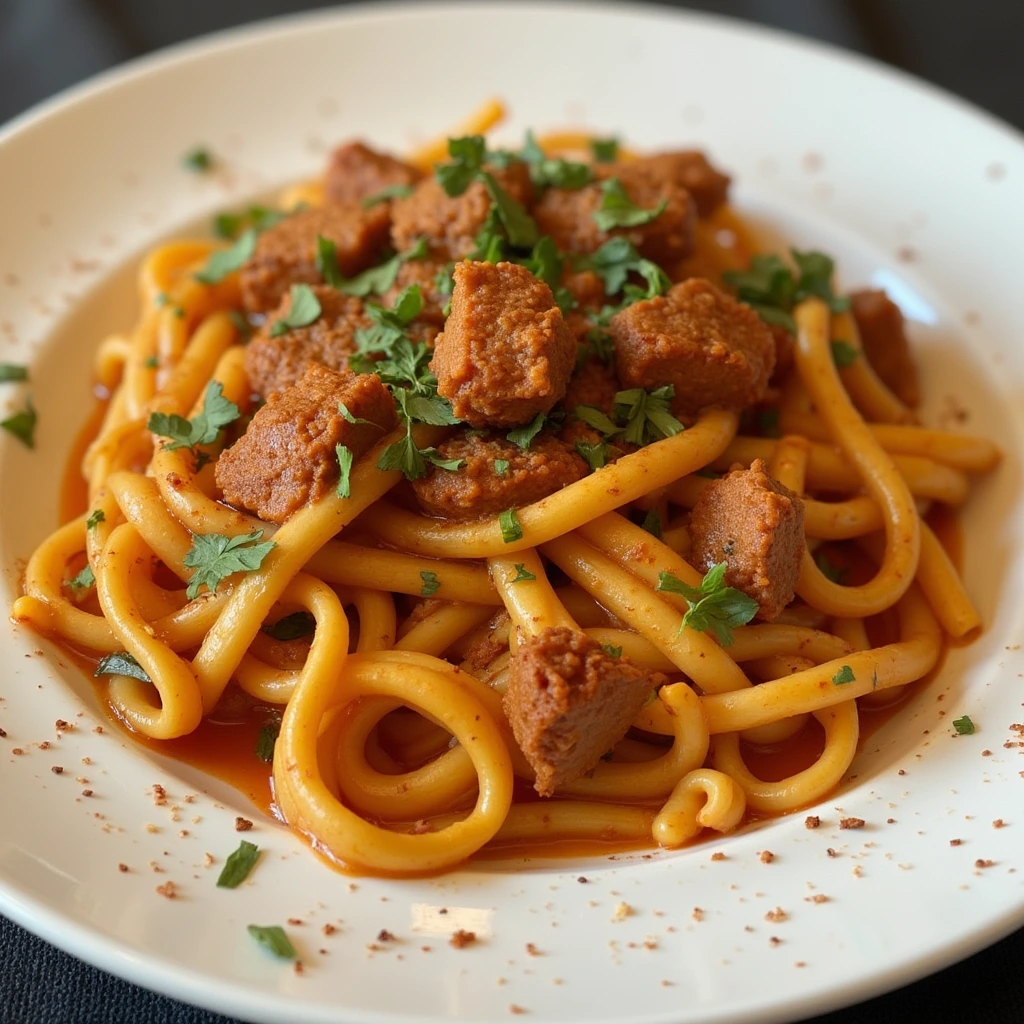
518	495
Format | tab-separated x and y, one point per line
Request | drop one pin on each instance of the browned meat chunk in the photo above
450	224
355	172
273	364
594	383
751	521
690	169
880	323
477	488
286	253
505	353
568	702
712	349
287	458
567	215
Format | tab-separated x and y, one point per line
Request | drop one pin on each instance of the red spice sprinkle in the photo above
61	726
776	916
766	856
159	795
45	745
295	921
385	936
18	751
986	753
901	772
328	929
812	821
242	824
955	842
3	735
168	890
831	852
86	792
515	1009
718	856
775	941
532	950
851	822
890	821
583	880
57	769
979	863
98	730
461	938
123	868
298	968
998	823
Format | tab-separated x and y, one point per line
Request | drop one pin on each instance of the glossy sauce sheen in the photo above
224	745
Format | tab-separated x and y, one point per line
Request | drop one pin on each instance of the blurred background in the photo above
971	49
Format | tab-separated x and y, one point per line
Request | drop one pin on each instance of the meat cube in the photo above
885	343
505	353
451	224
755	524
286	253
689	168
477	488
286	458
711	348
569	701
355	172
273	364
567	215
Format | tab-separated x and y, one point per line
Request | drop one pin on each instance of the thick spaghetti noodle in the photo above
402	647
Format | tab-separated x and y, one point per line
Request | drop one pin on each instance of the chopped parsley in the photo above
771	288
214	556
616	259
95	518
12	372
519	225
266	740
714	607
646	415
613	652
84	580
238	865
604	151
23	424
345	459
595	455
834	573
151	362
511	528
501	466
652	523
843	354
226	261
431	584
964	726
523	575
292	627
376	280
200	160
326	261
617	210
398	191
404	455
227	225
545	263
273	938
548	172
523	436
217	413
121	663
843	676
304	309
260	218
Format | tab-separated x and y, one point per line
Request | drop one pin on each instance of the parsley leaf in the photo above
598	345
843	354
215	556
217	413
327	261
616	259
595	455
349	418
292	627
545	263
519	225
398	191
617	210
490	241
523	575
227	225
199	160
95	518
647	414
605	151
238	865
431	584
84	580
843	676
501	466
23	424
404	455
388	329
272	937
377	280
226	261
304	309
835	573
964	726
121	663
467	157
12	372
652	523
523	436
593	417
714	606
266	740
548	171
345	459
511	528
612	651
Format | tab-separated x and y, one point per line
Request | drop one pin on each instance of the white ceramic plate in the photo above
909	189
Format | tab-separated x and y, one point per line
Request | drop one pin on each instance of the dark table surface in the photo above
46	45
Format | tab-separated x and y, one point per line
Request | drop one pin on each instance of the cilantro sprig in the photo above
215	556
304	309
713	606
638	416
217	412
373	281
771	288
617	210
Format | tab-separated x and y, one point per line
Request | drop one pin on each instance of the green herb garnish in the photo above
511	528
964	726
226	261
714	607
121	663
501	466
843	354
23	424
605	151
843	676
217	413
291	627
199	160
84	580
12	372
304	309
398	191
214	556
272	937
345	460
617	210
652	523
238	865
523	574
95	518
431	584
